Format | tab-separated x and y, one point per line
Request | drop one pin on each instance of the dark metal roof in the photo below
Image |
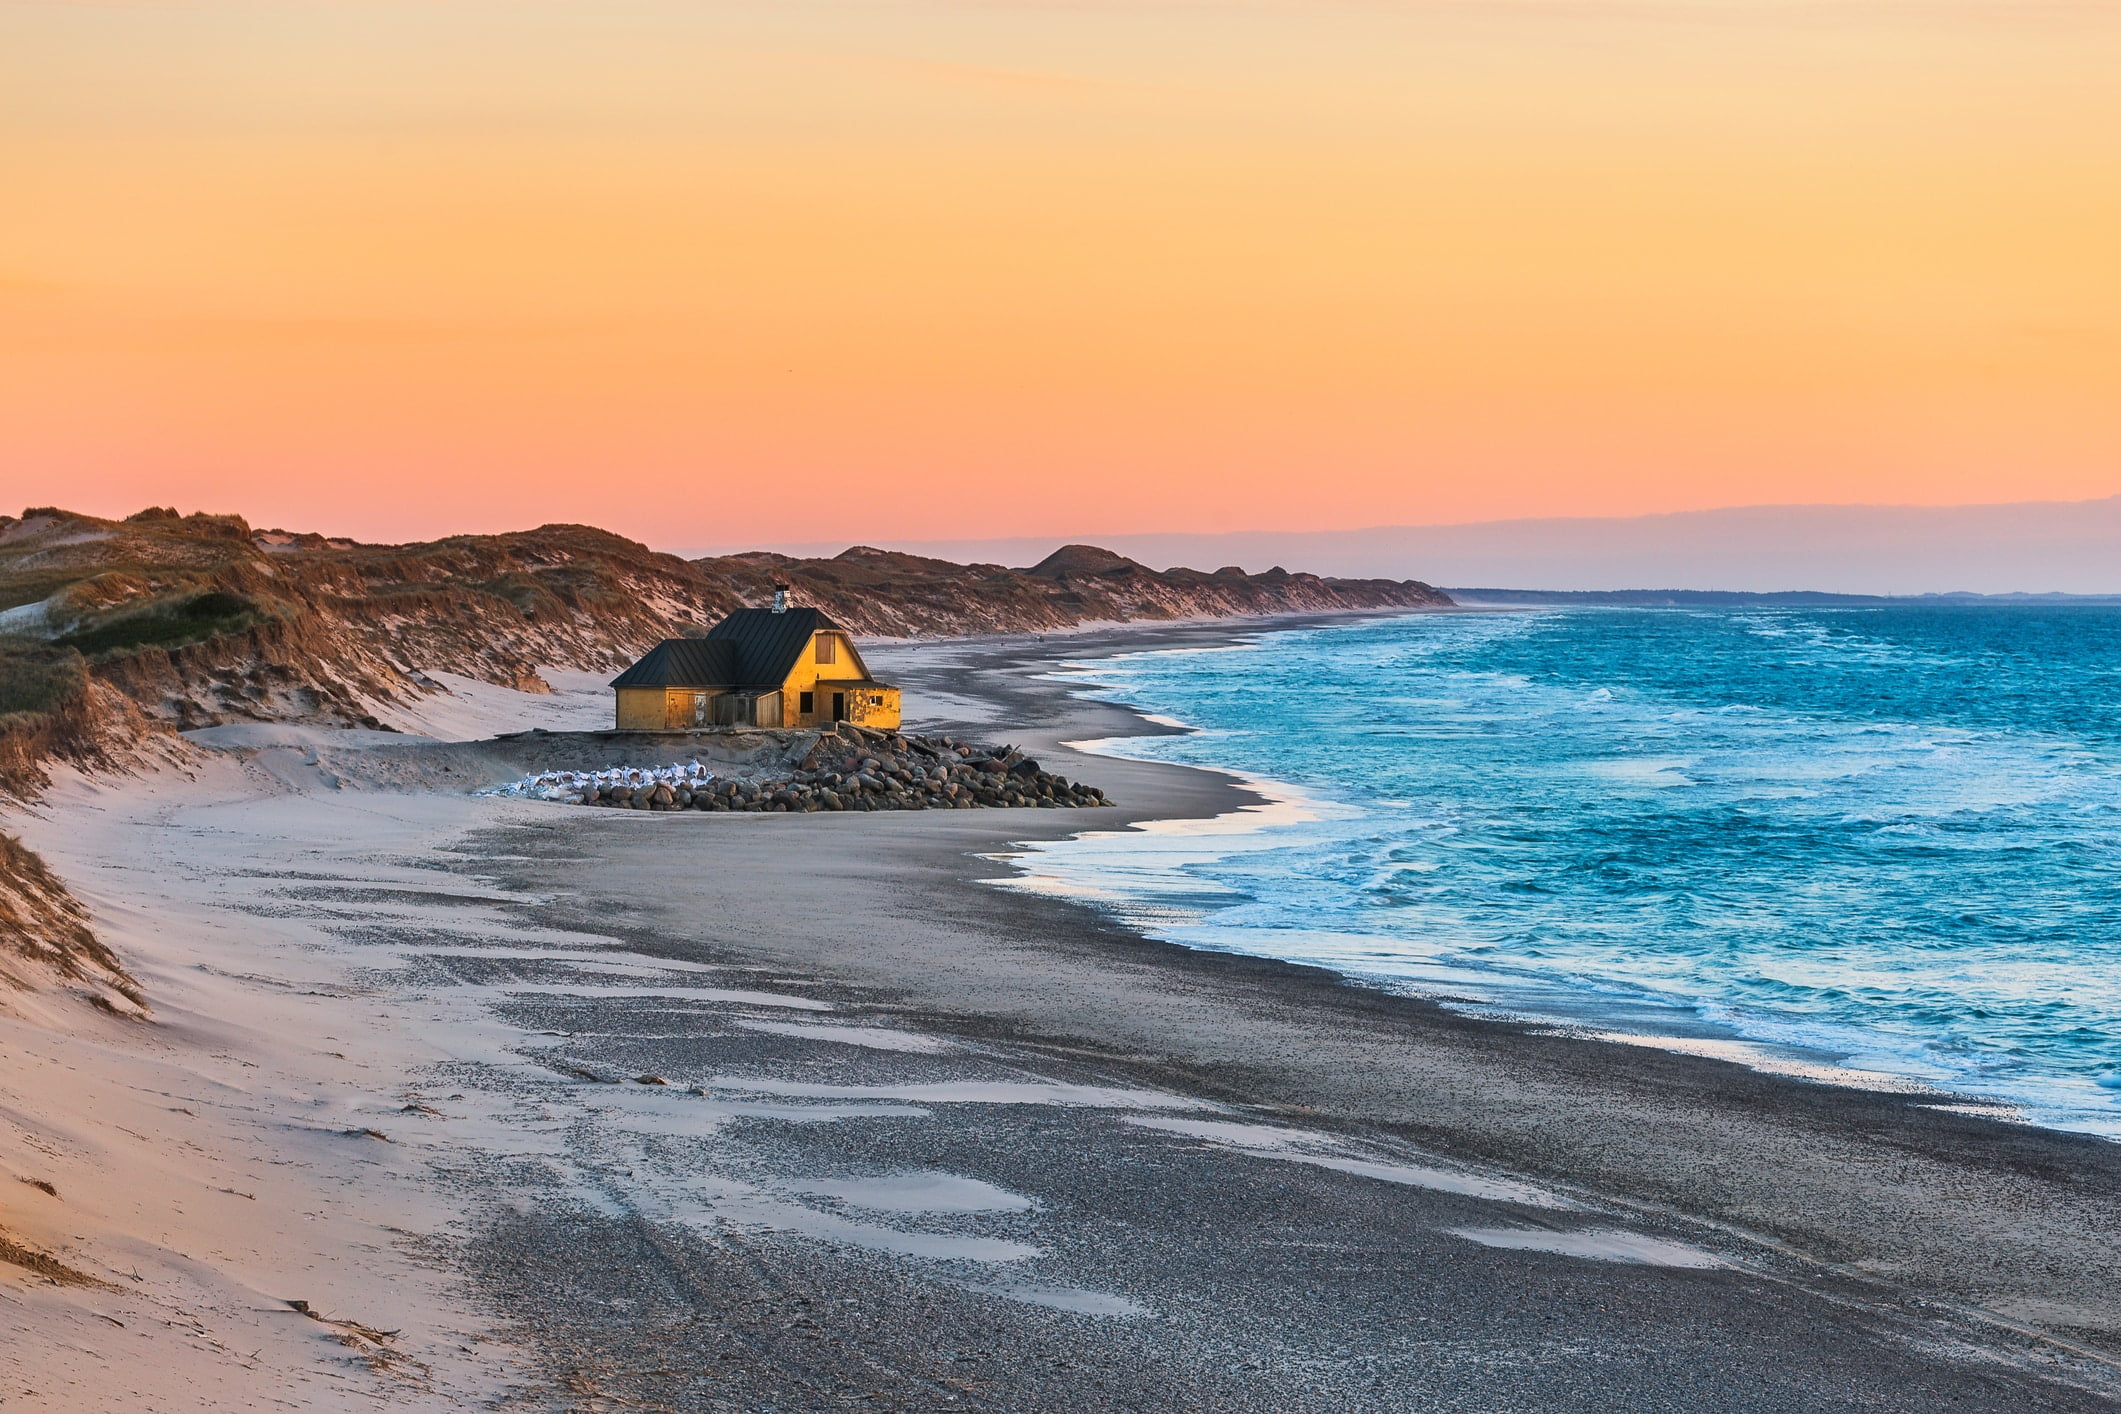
684	662
768	644
752	648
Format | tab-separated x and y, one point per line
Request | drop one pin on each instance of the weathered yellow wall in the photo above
883	716
824	679
660	709
807	670
863	708
640	709
678	713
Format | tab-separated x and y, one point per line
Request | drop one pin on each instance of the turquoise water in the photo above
1887	839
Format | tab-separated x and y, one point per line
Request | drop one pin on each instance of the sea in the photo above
1876	845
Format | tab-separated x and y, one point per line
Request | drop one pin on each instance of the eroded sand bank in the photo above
747	1112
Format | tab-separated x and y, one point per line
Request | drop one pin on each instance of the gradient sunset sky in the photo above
802	270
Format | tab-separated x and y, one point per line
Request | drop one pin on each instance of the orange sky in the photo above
714	273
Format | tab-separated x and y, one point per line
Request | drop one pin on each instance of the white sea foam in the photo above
1698	830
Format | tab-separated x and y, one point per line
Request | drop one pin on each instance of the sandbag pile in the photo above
867	771
574	786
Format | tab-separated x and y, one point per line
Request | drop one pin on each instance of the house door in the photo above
839	706
699	709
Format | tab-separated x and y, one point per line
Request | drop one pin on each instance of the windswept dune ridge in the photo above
45	938
200	620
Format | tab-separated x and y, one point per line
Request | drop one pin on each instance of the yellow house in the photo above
777	667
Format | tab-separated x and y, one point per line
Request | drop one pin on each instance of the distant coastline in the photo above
2068	547
1739	598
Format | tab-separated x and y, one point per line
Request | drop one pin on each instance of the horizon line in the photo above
1094	537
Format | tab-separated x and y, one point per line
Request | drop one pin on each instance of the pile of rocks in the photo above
853	769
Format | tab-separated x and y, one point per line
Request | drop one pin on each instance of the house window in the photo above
806	702
828	649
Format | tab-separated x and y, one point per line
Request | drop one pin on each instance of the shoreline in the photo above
726	1111
1608	1011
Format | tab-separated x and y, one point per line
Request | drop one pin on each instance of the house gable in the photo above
769	646
829	654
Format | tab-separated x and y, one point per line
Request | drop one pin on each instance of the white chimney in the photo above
780	598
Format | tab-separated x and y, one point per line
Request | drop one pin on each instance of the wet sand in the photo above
738	1112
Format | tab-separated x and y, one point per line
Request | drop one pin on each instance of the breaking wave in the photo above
1884	839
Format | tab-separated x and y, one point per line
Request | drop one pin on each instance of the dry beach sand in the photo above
544	1107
